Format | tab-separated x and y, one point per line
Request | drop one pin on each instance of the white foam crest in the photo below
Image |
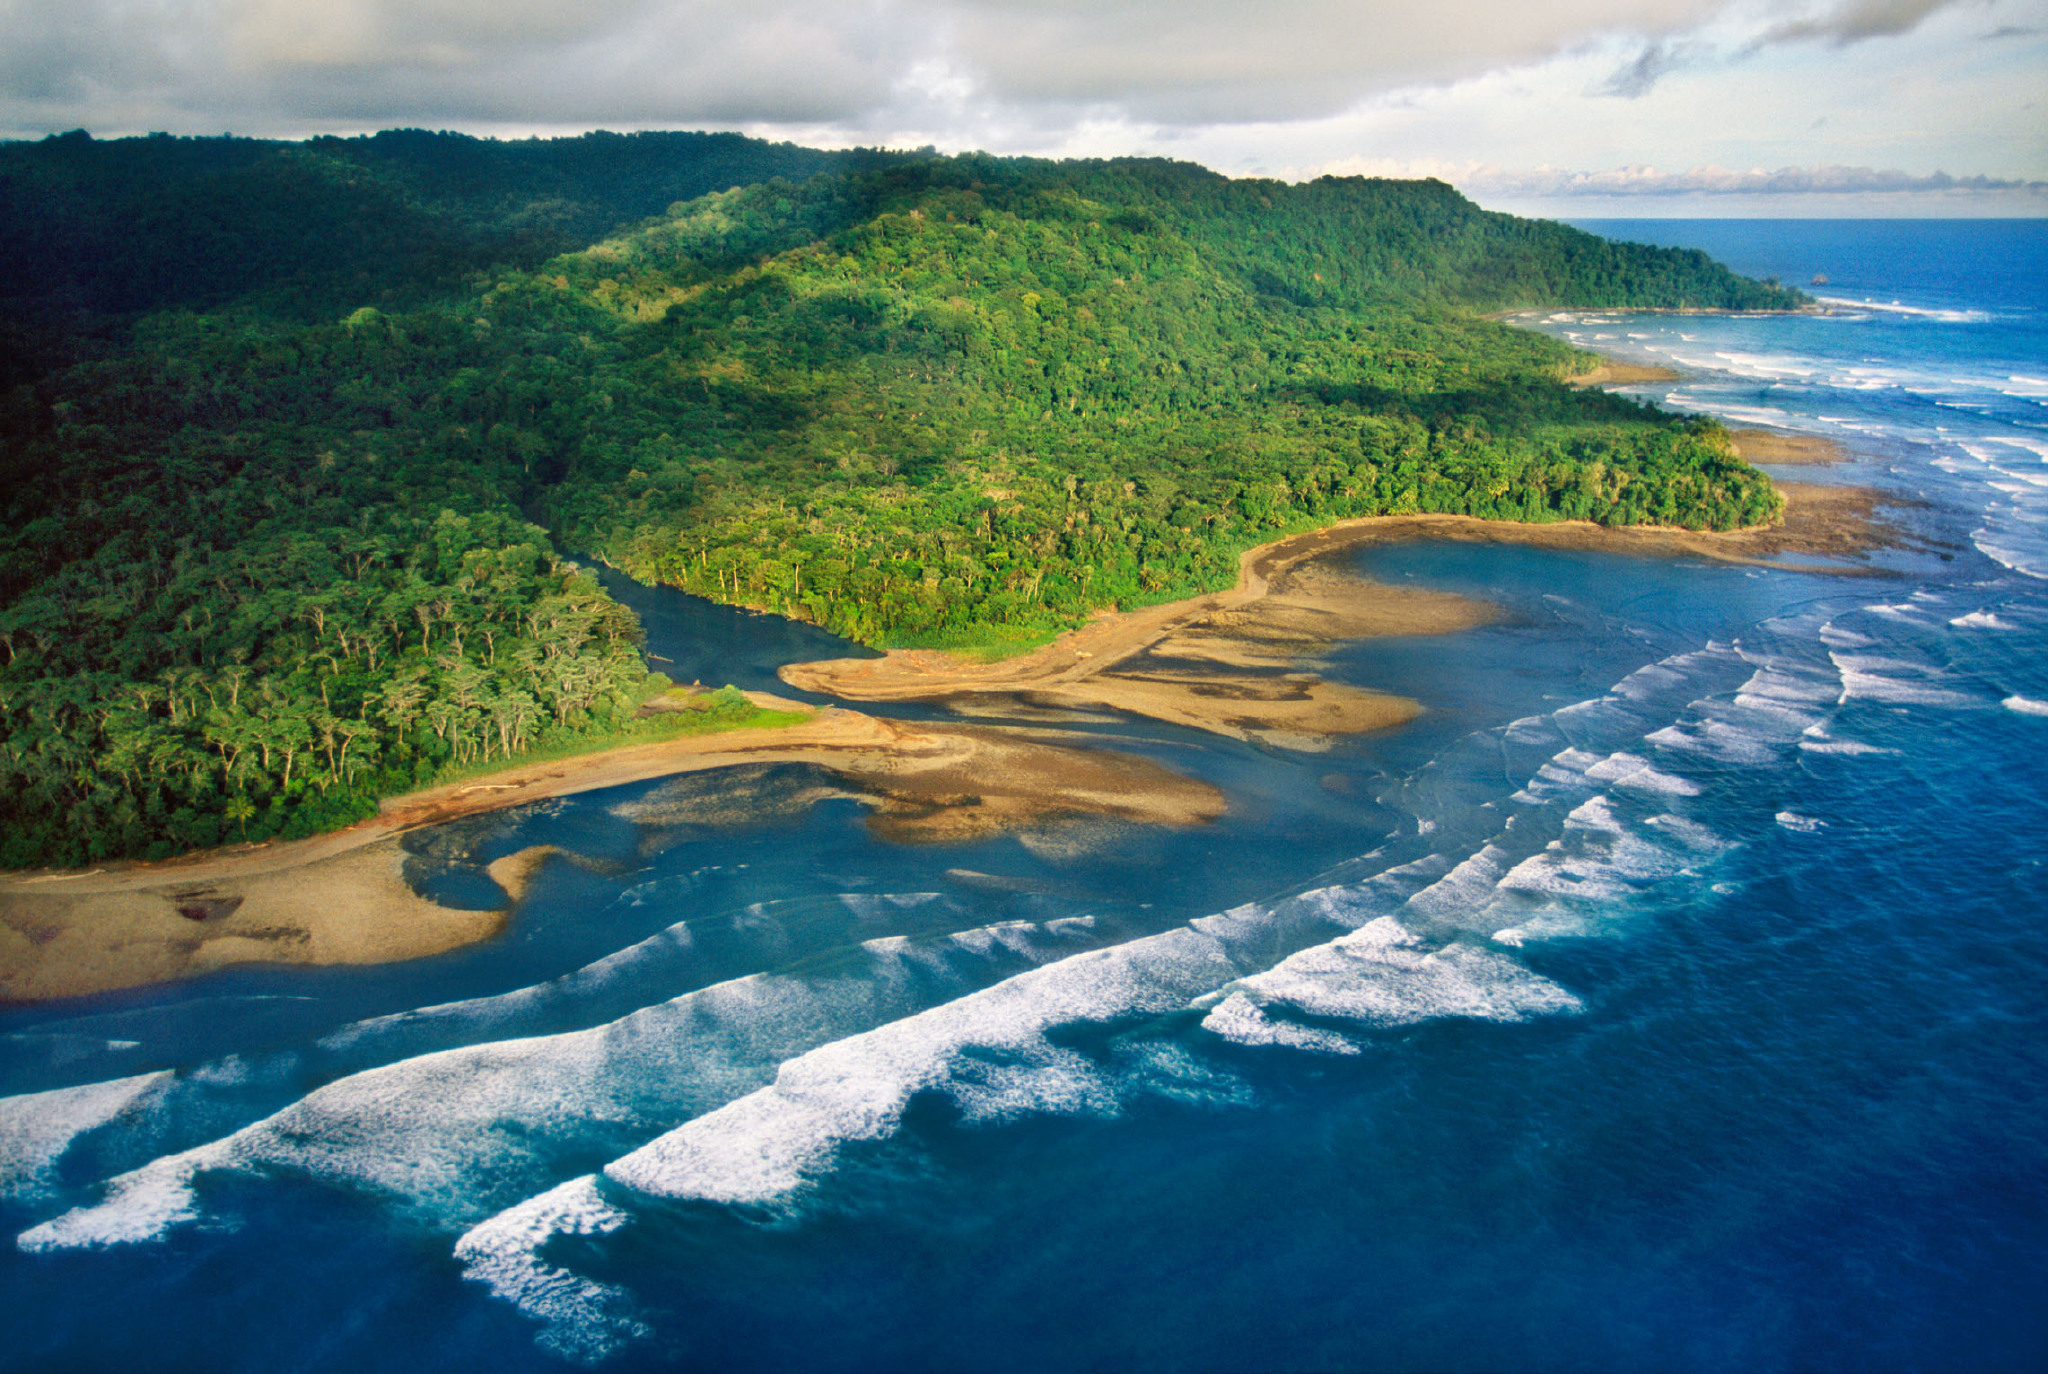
1999	548
142	1205
1600	856
450	1134
2026	706
1824	743
1648	680
1381	975
760	1149
1566	772
1634	771
1981	620
581	1320
477	1014
1466	888
1239	1019
1779	683
1835	637
1691	834
884	906
1715	739
2027	443
990	1052
1943	316
1896	681
37	1128
1531	730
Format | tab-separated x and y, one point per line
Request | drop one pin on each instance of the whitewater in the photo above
1667	996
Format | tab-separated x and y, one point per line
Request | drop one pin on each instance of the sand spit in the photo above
1615	372
1228	662
1235	662
935	784
151	923
342	898
1771	446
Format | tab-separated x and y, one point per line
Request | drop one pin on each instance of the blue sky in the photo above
1557	107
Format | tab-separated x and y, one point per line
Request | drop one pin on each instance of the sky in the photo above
1568	108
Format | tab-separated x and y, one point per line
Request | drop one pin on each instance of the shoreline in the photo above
1234	663
1614	371
343	897
1281	615
1786	449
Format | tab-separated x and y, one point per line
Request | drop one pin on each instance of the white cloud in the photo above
1240	86
1190	62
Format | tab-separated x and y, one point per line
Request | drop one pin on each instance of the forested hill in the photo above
296	435
98	227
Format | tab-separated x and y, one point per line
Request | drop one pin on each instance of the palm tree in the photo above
239	810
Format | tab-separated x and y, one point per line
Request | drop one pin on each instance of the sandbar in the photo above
1237	662
1615	372
1774	446
342	897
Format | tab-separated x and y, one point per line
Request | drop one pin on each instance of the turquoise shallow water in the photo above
1667	997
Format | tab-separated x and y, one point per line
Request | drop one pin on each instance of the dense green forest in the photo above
294	437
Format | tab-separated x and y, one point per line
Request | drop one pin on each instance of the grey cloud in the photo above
1637	78
1852	21
285	65
851	65
298	63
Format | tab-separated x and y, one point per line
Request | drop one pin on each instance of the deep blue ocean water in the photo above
1670	996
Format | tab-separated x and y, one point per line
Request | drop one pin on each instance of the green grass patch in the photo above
723	713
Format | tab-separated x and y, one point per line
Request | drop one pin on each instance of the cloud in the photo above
1835	23
1852	21
1637	77
1187	62
1550	183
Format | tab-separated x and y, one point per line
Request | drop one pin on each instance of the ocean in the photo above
1668	996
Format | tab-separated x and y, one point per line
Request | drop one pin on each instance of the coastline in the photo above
1615	372
1786	449
1235	663
1282	614
342	897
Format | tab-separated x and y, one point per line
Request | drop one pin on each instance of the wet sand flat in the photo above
1252	642
342	898
1237	663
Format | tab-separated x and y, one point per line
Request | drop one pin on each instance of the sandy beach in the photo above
1239	663
1772	446
342	898
1615	372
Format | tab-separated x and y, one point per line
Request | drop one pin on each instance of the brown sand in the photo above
151	923
1770	446
1614	372
343	898
1284	613
931	784
1218	662
1227	662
